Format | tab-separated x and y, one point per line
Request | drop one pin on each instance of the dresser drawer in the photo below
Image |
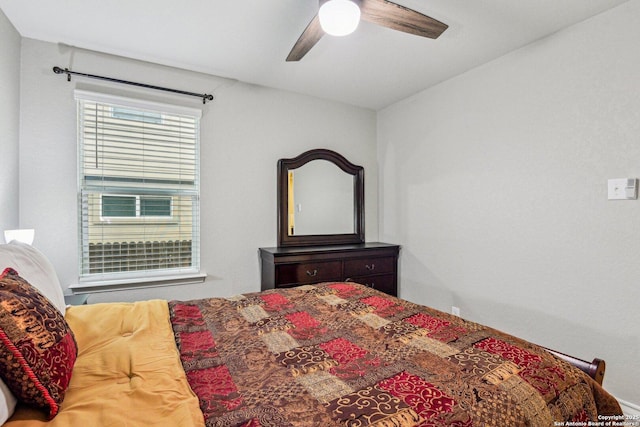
309	272
366	266
384	282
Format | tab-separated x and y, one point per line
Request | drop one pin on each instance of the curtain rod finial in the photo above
59	70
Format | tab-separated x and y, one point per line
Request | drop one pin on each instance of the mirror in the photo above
320	200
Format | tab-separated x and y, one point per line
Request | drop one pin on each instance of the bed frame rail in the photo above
595	369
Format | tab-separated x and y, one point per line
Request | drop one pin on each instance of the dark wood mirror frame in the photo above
284	165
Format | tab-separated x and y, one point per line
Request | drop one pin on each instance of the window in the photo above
154	207
119	206
135	207
138	185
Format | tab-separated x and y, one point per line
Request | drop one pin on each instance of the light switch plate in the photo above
622	189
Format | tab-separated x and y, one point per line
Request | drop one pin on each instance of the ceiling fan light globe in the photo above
339	17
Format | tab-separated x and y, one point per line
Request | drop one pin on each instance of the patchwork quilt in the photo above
345	354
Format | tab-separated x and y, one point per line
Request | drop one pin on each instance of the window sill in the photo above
136	283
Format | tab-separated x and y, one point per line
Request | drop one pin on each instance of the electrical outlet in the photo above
455	310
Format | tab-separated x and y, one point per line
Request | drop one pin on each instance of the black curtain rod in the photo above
205	97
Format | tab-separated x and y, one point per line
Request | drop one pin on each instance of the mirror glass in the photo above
321	199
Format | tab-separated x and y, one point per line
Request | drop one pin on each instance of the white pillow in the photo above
35	268
7	402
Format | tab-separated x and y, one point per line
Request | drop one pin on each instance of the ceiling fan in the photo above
381	12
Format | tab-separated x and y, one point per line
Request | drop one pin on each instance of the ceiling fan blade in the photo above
397	17
307	40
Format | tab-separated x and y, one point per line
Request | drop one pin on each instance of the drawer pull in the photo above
313	273
370	267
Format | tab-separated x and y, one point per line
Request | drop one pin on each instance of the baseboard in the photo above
630	409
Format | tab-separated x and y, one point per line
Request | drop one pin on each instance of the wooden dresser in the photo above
371	264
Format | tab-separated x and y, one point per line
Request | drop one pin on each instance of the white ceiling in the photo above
249	40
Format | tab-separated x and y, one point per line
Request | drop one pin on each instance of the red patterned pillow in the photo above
37	347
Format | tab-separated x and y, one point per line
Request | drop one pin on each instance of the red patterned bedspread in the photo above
345	354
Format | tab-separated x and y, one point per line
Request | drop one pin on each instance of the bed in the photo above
325	354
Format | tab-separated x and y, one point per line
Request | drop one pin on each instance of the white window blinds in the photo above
138	187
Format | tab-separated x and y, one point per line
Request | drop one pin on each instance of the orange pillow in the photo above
37	347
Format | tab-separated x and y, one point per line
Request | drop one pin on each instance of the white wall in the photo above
245	130
9	123
494	183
